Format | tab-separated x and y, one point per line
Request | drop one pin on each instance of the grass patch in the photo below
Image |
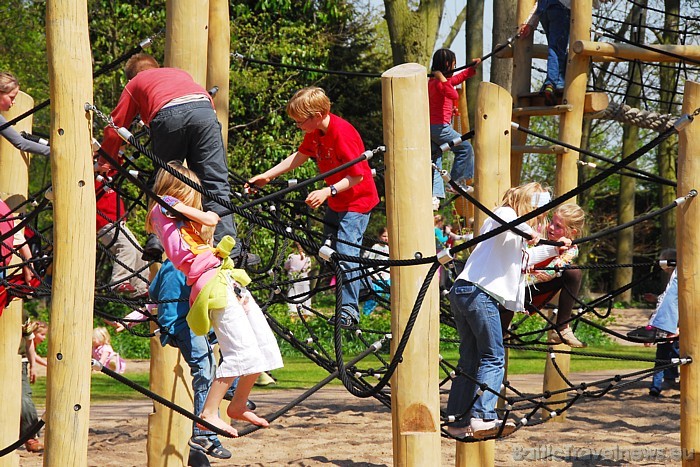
299	373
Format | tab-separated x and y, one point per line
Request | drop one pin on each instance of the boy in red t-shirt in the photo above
351	193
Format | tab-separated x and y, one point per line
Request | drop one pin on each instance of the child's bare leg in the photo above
210	412
237	409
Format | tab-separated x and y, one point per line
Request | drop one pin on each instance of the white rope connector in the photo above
552	414
325	252
682	122
479	392
368	154
374	173
376	346
358	375
451	419
309	341
124	134
445	176
134	173
508	407
96	365
358	332
453	374
592	165
450	144
272	208
552	355
145	43
440	358
445	256
292	182
524	421
288	230
514	125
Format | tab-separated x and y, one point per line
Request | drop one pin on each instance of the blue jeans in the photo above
192	132
198	354
350	228
380	287
665	351
481	352
463	166
556	20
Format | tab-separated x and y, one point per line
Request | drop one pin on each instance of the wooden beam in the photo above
632	52
688	242
415	399
73	290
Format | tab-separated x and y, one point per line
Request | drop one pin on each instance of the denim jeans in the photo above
463	166
192	132
665	351
481	352
350	228
198	354
555	21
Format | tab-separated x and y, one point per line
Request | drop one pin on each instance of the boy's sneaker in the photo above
655	392
34	445
548	93
345	321
484	429
459	432
210	446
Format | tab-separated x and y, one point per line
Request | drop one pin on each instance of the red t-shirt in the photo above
5	227
441	96
342	143
145	95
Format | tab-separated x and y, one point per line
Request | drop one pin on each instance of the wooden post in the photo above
219	58
14	172
522	76
570	129
492	169
688	242
463	207
73	290
187	23
415	407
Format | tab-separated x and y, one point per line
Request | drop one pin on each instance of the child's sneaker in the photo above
210	446
459	432
548	93
484	429
345	321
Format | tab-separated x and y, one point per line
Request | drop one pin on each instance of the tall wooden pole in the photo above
70	333
570	130
187	23
492	137
14	173
415	403
522	76
219	59
688	242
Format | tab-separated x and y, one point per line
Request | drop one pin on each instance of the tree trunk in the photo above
626	199
503	27
413	33
474	49
666	153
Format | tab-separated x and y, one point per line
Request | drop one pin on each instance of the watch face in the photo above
334	190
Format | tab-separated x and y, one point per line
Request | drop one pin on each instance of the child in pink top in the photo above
441	97
248	346
102	350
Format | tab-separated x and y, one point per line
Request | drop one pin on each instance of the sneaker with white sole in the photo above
487	428
209	445
459	432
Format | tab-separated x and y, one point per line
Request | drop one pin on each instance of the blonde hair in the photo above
573	218
8	82
41	326
438	218
206	233
101	336
520	199
137	63
308	101
168	185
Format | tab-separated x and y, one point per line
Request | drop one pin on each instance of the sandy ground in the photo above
332	428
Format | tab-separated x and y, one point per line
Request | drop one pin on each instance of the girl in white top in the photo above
298	266
492	276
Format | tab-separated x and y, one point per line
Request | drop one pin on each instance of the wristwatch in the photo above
334	190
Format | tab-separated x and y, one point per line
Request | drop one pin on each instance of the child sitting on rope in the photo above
441	97
492	276
351	193
543	284
218	298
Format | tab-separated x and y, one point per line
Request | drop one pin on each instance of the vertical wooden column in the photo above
522	77
218	68
492	138
415	403
72	294
463	207
570	130
688	242
14	175
219	59
187	24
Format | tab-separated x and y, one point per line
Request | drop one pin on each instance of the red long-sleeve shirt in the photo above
441	96
145	95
